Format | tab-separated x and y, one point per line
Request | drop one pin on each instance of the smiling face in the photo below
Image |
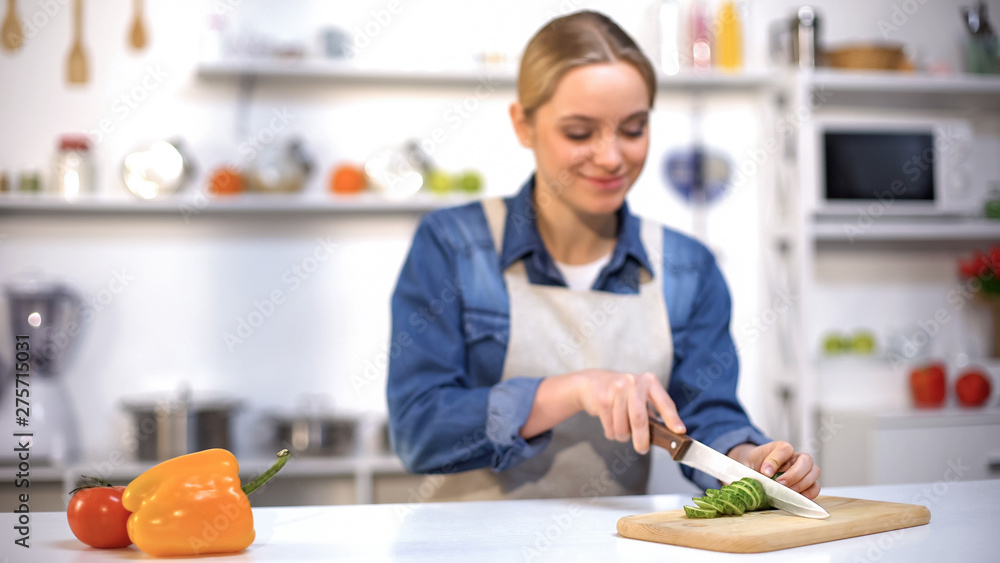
590	138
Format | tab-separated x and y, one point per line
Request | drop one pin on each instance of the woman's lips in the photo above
606	182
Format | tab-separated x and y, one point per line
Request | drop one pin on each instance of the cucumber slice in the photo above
736	498
750	493
711	492
695	512
706	502
729	506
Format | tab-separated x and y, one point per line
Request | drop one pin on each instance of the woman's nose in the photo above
606	152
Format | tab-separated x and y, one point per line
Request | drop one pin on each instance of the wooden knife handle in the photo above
676	444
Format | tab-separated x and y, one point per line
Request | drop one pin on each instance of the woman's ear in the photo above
522	126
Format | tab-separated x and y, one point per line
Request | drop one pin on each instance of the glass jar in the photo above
72	167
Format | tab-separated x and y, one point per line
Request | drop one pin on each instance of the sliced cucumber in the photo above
734	499
706	503
728	505
695	512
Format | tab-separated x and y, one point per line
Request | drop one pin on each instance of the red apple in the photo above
927	384
973	387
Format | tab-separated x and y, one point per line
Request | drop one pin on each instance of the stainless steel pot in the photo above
169	427
316	435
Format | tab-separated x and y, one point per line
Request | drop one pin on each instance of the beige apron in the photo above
555	330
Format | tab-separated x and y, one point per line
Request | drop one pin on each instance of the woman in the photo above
536	330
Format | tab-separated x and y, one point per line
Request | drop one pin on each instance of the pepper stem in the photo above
266	476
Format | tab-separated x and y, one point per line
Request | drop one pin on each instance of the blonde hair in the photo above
578	39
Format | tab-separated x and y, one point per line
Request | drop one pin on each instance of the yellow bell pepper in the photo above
193	505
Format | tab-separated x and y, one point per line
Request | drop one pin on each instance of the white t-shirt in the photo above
581	277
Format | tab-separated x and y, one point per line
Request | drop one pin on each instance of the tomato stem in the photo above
266	476
91	483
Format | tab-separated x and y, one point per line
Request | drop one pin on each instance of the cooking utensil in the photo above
769	530
281	168
691	452
137	37
316	434
12	34
76	66
154	168
166	427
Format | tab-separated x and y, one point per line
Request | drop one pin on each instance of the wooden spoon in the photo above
76	66
138	38
13	36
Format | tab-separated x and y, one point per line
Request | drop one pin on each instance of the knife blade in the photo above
685	449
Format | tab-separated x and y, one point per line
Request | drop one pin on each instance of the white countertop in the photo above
965	518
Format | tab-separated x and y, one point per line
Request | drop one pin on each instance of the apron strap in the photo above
496	218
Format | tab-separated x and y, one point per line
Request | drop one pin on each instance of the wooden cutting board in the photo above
770	530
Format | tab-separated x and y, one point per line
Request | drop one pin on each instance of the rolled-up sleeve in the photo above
705	372
441	420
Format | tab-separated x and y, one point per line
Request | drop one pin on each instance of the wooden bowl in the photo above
867	57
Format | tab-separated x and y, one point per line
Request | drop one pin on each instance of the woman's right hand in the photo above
620	399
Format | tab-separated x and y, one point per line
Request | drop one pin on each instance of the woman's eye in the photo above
578	135
634	132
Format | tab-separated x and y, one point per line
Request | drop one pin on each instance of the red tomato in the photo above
97	517
927	384
973	388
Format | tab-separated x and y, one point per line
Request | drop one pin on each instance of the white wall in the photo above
193	281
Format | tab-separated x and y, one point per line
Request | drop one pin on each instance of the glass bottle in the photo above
72	167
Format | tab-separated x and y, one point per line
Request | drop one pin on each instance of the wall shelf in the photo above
504	76
847	230
189	204
903	90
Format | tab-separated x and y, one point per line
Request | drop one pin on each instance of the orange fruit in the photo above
226	181
348	179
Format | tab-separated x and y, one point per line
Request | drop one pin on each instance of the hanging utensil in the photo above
138	35
76	66
12	34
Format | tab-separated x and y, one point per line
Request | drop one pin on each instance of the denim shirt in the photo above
449	410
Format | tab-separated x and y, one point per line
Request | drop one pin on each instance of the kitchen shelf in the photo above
495	76
887	89
887	229
189	205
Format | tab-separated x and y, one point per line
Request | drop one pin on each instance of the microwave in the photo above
895	167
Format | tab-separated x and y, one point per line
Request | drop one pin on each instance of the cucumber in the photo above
705	503
728	505
734	499
750	492
695	512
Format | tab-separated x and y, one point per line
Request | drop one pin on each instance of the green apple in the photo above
833	344
439	181
469	181
863	342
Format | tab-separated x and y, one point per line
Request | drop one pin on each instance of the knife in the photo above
685	449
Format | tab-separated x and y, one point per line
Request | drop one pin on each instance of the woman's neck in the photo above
570	236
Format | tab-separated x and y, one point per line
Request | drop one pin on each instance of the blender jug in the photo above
45	316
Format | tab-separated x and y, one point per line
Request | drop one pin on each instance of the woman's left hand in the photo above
799	472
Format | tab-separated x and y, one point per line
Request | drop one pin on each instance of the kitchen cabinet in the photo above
910	446
839	282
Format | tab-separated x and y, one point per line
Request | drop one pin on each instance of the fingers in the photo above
665	406
638	416
777	453
809	480
619	411
798	467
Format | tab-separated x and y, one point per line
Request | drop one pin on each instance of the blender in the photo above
48	314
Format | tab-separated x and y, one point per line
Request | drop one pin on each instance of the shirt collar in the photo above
521	237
